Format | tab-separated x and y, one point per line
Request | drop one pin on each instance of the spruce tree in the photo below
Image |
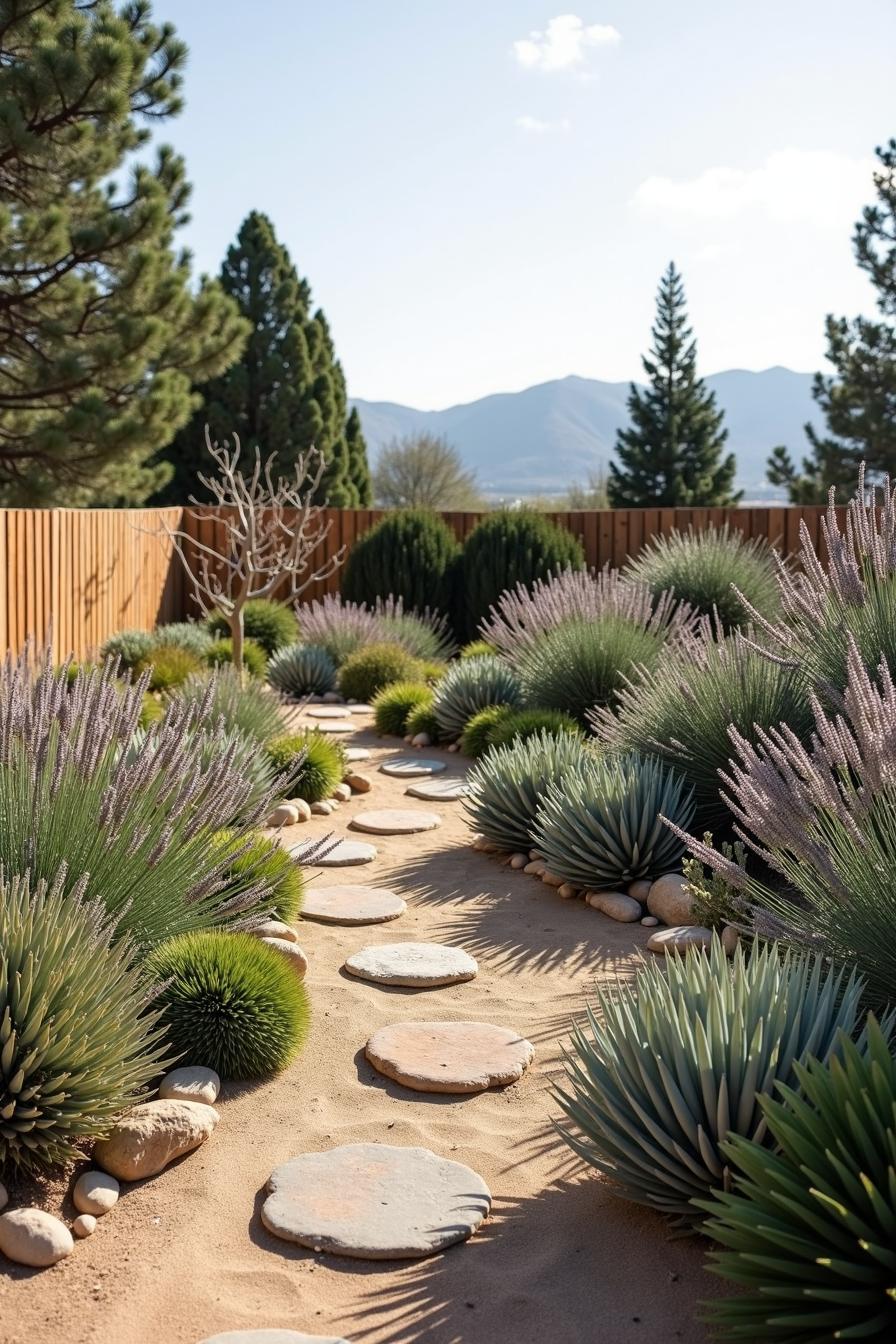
859	399
671	454
101	334
287	393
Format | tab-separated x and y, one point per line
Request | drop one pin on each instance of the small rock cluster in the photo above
296	810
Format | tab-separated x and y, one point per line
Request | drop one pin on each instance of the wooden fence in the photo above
86	573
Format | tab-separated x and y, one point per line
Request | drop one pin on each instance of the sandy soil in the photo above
560	1261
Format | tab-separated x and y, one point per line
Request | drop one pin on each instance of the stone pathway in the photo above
345	854
396	821
410	767
412	965
439	790
449	1056
352	905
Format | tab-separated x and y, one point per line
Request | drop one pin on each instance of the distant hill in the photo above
543	439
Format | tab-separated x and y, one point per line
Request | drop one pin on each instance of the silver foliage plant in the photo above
341	627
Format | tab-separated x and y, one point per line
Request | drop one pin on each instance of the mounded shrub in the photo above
601	826
220	654
507	785
808	1230
393	706
423	720
302	669
77	1045
704	567
469	685
230	1002
506	548
130	647
477	648
267	623
409	554
671	1065
518	724
250	708
168	666
187	635
479	733
426	637
310	764
152	710
253	856
371	669
342	627
577	667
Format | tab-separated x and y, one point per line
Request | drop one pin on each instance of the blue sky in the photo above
483	194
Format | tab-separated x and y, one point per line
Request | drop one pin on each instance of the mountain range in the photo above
547	437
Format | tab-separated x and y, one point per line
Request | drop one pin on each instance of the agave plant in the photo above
601	826
670	1066
469	685
809	1231
78	1042
507	785
302	669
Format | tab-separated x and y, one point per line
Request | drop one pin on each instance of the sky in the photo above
483	194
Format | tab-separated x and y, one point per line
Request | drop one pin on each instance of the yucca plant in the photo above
601	826
479	731
670	1066
507	784
469	685
427	636
579	666
269	624
78	1042
220	654
308	764
230	1002
250	708
371	668
518	724
302	669
253	856
809	1230
392	706
717	570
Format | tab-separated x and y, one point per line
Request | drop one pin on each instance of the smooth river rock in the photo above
679	939
373	1201
96	1192
615	905
396	821
34	1237
292	952
671	901
449	1056
274	928
153	1134
352	905
84	1225
412	965
344	854
191	1082
411	767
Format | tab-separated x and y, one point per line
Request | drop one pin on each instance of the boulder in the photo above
152	1135
357	782
342	793
191	1082
671	901
84	1225
640	890
302	808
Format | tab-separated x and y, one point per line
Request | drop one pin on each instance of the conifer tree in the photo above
671	454
101	334
287	394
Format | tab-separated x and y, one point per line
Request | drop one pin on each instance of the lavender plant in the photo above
342	627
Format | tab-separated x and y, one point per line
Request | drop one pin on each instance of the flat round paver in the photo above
395	821
344	854
449	1056
357	754
270	1337
340	725
352	905
409	767
439	790
373	1201
328	711
413	965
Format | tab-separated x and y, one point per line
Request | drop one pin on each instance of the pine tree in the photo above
101	335
859	400
671	455
287	393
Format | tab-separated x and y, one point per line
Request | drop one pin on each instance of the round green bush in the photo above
312	764
578	666
393	705
302	669
152	710
409	554
469	685
257	858
230	1002
506	548
169	667
479	733
507	785
220	654
704	567
477	648
374	667
518	724
187	635
130	647
422	720
267	623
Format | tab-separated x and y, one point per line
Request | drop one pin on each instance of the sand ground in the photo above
560	1260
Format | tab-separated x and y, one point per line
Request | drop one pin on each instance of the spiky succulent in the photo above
77	1042
230	1002
479	732
507	785
392	706
809	1231
254	856
601	826
672	1064
469	685
518	724
309	765
302	669
269	624
255	660
250	707
374	667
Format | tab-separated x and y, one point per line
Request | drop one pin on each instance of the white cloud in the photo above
535	126
820	188
563	43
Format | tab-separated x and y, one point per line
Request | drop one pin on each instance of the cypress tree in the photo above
288	390
671	454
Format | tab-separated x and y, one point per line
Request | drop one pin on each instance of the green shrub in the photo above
220	654
479	733
184	635
393	705
577	667
302	669
518	724
267	623
601	826
130	647
674	1063
704	568
507	784
230	1002
371	669
810	1228
255	856
423	720
410	555
477	648
507	548
312	764
249	708
77	1046
715	901
168	666
152	710
469	685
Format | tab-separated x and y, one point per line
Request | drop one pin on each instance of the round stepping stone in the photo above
352	905
340	725
413	965
357	754
344	854
328	711
409	767
439	790
357	708
449	1056
270	1337
373	1201
395	821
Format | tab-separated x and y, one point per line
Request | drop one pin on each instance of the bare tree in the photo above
271	533
424	471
